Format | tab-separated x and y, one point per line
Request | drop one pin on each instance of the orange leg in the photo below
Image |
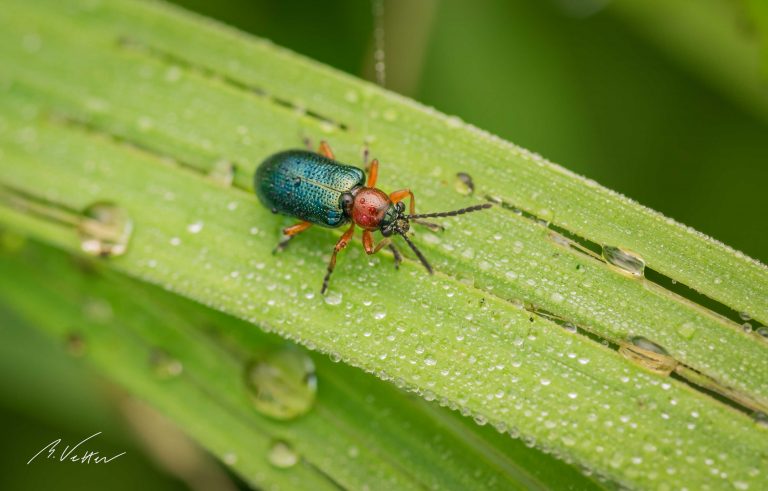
290	233
374	173
295	229
368	243
400	195
370	249
341	244
325	150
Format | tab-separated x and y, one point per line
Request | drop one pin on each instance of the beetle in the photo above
318	190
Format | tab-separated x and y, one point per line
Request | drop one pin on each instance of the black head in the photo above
395	221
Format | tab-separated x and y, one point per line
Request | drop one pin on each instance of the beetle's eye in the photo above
346	201
400	207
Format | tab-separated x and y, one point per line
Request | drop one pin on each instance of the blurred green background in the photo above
603	88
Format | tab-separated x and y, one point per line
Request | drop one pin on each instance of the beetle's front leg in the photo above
387	242
368	243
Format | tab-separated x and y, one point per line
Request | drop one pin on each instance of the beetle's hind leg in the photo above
289	233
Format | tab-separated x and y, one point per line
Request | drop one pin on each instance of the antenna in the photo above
453	213
418	252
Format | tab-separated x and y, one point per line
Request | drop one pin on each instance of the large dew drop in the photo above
282	384
105	230
625	261
648	354
333	298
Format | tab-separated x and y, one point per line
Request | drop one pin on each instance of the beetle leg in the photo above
325	150
370	249
396	253
368	243
400	195
373	173
280	247
295	229
289	233
341	244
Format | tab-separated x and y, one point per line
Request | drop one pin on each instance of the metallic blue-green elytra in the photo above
306	185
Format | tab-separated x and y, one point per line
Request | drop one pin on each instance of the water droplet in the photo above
281	454
747	327
559	239
762	331
760	418
464	184
333	298
222	172
98	310
164	365
379	315
282	384
545	381
625	261
687	330
328	126
145	123
32	42
648	354
745	316
230	458
104	229
570	327
173	74
195	227
351	96
429	361
453	121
